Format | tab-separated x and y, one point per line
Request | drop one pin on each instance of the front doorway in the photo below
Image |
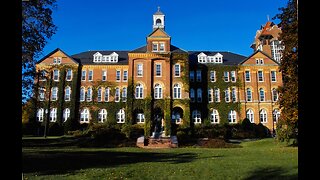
158	122
176	119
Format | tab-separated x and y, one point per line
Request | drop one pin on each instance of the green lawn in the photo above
262	159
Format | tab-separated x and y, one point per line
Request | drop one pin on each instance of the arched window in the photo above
176	91
82	94
117	95
214	116
89	94
66	114
158	91
263	116
227	95
234	94
107	94
276	115
232	116
250	115
158	22
196	116
199	95
99	94
102	116
40	114
67	94
140	118
54	94
261	94
274	95
192	95
176	117
139	91
249	95
217	95
53	115
120	116
84	116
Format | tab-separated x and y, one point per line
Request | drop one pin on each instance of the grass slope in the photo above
262	159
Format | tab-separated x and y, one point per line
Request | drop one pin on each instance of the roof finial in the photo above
268	17
158	8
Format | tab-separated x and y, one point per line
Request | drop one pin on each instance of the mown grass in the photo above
262	159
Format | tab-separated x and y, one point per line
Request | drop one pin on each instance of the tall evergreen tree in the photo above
37	28
288	123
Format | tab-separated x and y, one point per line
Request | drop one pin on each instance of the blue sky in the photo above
225	25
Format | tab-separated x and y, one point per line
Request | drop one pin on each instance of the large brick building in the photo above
159	84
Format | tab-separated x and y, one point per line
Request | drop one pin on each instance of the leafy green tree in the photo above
288	122
37	28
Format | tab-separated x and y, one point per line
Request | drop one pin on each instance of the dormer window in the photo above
98	57
203	58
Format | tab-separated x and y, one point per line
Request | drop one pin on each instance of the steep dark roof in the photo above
229	58
173	49
87	57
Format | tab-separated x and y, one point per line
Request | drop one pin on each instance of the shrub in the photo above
55	130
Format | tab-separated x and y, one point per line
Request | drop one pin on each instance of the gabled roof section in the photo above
258	51
158	33
229	58
54	51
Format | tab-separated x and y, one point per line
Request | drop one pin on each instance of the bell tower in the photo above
158	20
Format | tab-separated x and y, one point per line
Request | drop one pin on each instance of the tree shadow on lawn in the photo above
59	162
271	173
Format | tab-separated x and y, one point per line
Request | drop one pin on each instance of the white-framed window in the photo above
154	47
104	75
227	95
176	117
260	76
66	114
273	76
261	95
196	116
233	76
232	116
120	116
42	91
177	70
191	76
102	116
263	116
274	95
40	113
214	117
54	94
43	75
249	95
67	95
250	115
124	94
247	76
192	95
139	91
216	95
226	76
118	75
90	75
158	91
125	75
106	94
234	94
84	116
259	61
89	94
199	78
83	75
158	70
140	70
176	91
117	95
99	94
53	115
69	75
140	118
213	76
56	75
210	93
82	94
276	115
199	95
161	47
57	60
